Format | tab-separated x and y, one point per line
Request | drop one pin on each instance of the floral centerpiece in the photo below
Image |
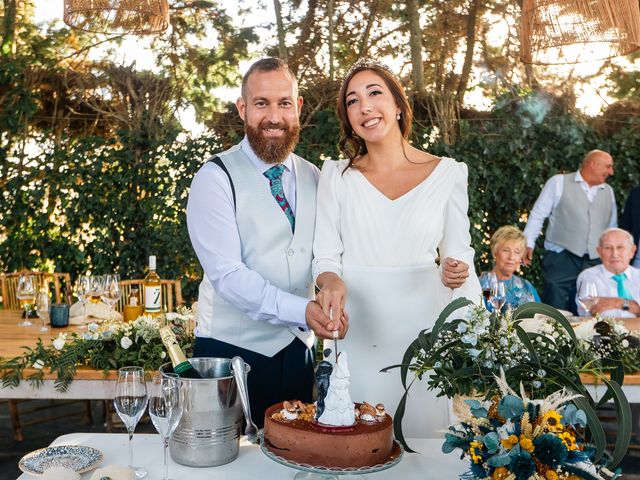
105	346
609	341
511	437
535	346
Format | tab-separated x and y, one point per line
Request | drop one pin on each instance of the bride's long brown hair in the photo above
350	144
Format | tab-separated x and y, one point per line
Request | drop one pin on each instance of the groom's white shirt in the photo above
218	246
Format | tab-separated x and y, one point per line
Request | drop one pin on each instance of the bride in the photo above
385	214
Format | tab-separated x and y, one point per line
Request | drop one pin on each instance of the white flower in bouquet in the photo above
126	342
147	328
619	328
38	364
586	331
59	341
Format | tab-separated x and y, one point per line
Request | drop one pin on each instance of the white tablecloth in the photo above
251	464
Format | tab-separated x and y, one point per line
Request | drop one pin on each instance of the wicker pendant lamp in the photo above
117	16
573	31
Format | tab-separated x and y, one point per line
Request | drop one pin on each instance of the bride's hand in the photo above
454	272
332	298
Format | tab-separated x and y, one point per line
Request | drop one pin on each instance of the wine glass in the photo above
111	291
81	289
498	295
26	293
130	402
486	279
587	295
95	287
165	410
43	307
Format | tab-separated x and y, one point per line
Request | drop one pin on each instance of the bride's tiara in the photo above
367	63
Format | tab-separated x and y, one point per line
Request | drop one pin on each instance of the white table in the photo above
430	464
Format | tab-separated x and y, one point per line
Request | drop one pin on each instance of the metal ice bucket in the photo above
209	431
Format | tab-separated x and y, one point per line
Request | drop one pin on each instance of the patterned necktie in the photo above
622	288
274	174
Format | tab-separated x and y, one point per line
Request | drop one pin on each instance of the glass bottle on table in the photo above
130	402
181	365
165	410
43	308
26	294
152	290
132	308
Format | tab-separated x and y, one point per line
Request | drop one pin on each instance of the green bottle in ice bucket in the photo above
181	365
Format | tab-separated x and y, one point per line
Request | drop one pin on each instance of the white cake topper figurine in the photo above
339	410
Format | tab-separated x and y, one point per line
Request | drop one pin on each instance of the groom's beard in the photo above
269	149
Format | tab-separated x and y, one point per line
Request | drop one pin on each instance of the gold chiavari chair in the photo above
9	283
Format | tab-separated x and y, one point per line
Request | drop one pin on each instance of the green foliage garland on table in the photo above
106	346
464	356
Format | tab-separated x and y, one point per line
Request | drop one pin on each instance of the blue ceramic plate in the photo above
79	458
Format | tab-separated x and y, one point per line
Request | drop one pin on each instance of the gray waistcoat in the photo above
269	248
576	224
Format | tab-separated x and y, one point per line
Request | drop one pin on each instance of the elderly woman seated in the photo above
508	246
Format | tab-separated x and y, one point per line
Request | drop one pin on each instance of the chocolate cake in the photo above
303	440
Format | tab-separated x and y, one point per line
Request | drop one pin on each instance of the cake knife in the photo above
335	336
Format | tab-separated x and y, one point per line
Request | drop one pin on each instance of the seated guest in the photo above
508	246
630	220
617	283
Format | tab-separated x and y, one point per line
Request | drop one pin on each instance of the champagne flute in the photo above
26	293
498	295
165	410
43	306
111	292
587	295
130	402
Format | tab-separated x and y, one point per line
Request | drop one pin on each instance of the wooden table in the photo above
90	384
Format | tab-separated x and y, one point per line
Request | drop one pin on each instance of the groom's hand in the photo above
320	323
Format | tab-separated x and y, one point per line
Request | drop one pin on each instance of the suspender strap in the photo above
221	164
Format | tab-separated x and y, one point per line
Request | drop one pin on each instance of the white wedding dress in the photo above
385	252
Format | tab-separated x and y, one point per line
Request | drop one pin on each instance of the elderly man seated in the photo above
617	283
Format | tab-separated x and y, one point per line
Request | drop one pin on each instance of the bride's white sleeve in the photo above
456	237
327	241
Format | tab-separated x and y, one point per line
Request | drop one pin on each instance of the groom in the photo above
251	220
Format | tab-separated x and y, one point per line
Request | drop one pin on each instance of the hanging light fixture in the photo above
117	16
574	31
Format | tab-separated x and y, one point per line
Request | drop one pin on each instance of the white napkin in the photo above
114	472
95	312
60	473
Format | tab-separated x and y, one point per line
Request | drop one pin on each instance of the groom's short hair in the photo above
268	64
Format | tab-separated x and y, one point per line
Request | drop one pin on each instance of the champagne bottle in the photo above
181	365
152	290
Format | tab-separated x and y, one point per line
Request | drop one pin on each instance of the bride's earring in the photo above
398	116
